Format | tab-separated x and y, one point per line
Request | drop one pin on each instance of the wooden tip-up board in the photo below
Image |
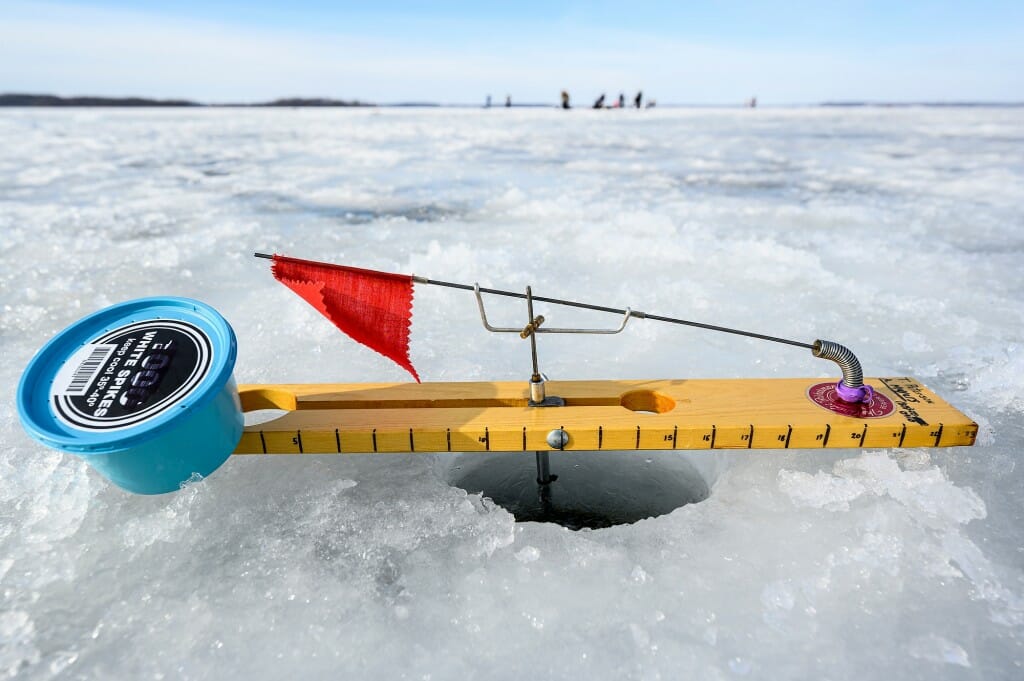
615	415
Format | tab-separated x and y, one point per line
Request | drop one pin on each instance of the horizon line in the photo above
42	100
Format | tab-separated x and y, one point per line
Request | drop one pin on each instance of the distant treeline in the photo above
16	99
53	100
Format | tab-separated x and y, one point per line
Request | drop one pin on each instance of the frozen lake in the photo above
897	232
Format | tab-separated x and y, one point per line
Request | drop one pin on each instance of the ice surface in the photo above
897	232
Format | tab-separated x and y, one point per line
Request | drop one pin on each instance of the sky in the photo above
700	52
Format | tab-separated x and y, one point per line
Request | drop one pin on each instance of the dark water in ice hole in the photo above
593	489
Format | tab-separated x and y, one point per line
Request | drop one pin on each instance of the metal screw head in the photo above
558	439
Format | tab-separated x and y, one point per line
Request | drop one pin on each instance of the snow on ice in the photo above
894	231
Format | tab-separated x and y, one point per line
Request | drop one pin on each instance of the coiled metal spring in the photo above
853	375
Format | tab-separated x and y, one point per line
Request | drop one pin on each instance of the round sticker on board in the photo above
130	374
824	395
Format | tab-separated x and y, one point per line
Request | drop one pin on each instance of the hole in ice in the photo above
593	489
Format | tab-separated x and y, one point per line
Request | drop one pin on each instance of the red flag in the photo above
374	308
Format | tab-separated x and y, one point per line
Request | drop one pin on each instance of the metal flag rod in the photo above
602	308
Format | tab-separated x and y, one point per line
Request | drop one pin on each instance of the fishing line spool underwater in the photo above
144	392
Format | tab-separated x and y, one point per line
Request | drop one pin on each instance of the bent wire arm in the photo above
503	329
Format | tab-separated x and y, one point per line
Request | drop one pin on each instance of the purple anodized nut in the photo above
847	394
852	374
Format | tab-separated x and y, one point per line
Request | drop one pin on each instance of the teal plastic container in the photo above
142	390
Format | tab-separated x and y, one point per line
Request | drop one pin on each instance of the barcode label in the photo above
79	382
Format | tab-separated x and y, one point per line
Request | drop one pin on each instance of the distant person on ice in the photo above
508	100
599	104
565	100
638	99
622	100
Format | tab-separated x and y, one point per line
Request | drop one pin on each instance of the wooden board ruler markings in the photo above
599	415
